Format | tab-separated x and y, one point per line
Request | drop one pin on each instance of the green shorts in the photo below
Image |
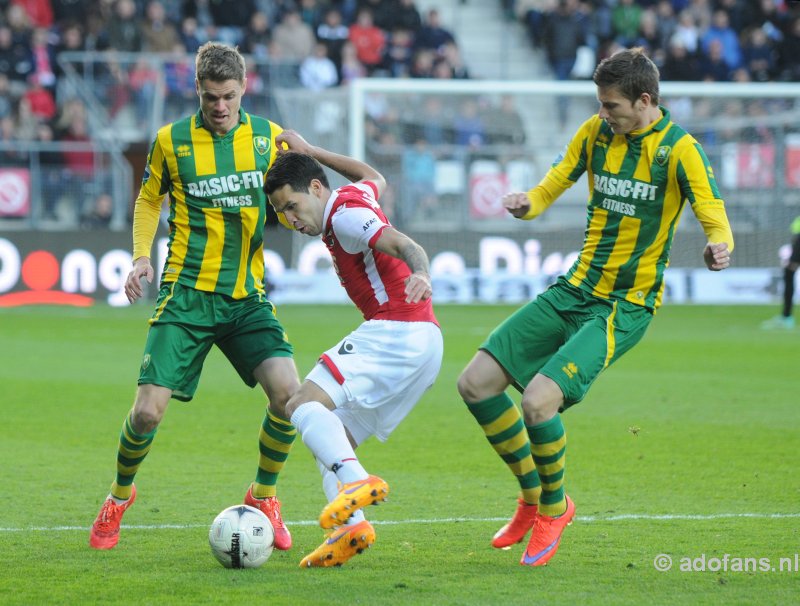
568	335
187	322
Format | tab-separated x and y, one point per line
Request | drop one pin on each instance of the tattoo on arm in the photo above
415	257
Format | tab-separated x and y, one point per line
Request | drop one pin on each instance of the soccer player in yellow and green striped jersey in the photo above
212	166
642	170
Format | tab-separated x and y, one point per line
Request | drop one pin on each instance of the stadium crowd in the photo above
319	44
689	40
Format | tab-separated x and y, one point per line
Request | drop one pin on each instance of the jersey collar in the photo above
199	123
655	126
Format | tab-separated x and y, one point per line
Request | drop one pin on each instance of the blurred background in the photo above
455	101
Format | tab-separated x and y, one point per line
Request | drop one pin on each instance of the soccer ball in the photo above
241	537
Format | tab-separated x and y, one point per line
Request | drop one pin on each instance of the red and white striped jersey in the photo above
374	281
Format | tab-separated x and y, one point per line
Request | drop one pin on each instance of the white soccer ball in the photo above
241	537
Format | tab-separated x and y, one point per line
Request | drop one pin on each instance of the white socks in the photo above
322	431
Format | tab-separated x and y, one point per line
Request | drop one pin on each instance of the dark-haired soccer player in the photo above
368	382
642	170
212	165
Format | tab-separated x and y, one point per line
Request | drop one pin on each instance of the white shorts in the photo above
377	374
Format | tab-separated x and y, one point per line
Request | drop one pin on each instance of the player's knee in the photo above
145	419
468	387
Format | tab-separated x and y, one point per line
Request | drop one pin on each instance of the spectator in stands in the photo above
123	28
369	40
418	166
382	12
311	13
504	125
295	38
405	15
625	18
257	36
44	58
158	34
6	104
191	39
701	13
666	22
8	134
51	167
432	35
564	32
16	59
143	80
759	56
765	14
399	53
79	161
452	56
351	67
649	36
687	32
469	130
422	63
40	100
788	66
533	14
99	215
66	11
39	12
333	33
231	19
317	71
679	64
721	31
179	78
713	67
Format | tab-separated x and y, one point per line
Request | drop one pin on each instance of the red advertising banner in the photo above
485	193
15	192
793	161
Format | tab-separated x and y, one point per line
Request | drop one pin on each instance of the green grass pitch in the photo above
689	447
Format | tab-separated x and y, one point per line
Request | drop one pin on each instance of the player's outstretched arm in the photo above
717	256
400	246
350	168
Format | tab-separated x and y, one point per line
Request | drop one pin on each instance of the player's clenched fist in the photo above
517	204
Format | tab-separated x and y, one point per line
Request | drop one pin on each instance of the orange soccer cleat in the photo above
517	528
271	507
105	530
341	545
546	536
352	497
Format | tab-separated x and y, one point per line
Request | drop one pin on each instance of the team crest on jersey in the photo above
662	153
261	144
183	151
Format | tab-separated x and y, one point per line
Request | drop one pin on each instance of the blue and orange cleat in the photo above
352	497
341	545
546	536
271	507
513	532
105	530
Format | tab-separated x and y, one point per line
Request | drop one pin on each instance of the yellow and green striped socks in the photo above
549	445
502	423
274	442
133	448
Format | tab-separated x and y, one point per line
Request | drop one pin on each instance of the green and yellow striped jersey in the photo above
217	204
638	185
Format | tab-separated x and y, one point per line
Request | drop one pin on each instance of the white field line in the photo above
598	518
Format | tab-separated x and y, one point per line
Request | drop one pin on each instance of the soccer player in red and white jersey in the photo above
368	382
